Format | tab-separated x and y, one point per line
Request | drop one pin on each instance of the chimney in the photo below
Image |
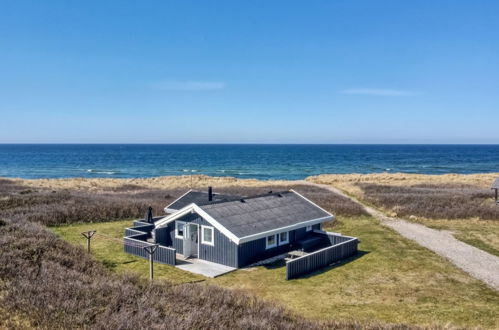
210	194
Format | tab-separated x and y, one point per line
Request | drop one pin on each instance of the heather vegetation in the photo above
58	287
56	207
442	201
461	204
47	283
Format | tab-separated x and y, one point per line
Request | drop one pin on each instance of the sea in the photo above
259	161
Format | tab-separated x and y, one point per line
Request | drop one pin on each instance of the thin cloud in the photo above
376	91
189	85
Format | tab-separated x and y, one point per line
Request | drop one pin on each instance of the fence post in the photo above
88	235
151	249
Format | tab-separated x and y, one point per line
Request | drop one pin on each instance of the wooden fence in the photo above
344	247
135	241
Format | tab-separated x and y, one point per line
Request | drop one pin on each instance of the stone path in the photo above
478	263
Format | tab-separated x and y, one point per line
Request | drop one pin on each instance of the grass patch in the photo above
111	253
394	280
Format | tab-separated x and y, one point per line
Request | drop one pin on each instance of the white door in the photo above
187	241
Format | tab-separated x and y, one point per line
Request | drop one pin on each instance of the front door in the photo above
190	243
193	235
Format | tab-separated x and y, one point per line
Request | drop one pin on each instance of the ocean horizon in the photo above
258	161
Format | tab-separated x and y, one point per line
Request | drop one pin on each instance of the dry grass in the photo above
46	283
55	207
459	203
56	286
394	280
350	182
172	182
430	201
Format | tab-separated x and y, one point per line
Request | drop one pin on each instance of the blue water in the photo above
242	161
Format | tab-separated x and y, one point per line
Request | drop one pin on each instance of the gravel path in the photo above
478	263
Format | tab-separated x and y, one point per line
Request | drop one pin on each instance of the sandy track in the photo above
478	263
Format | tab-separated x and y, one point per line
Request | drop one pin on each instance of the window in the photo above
308	228
271	241
283	238
179	229
207	235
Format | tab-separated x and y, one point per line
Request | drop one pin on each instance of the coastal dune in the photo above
350	182
344	181
173	182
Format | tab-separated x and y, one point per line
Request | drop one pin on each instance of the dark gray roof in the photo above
263	213
200	198
495	185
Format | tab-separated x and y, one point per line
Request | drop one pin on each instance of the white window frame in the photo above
287	238
203	241
267	246
176	229
308	228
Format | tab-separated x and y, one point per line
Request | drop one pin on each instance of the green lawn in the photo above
110	252
392	280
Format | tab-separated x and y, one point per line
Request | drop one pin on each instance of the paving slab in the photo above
203	267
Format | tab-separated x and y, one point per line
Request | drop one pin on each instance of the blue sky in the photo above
249	71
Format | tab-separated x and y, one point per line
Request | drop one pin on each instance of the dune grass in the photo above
392	280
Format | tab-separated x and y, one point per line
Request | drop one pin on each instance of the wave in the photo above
101	172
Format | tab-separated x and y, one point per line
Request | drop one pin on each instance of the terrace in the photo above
317	250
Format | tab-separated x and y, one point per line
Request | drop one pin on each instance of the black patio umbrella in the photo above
149	215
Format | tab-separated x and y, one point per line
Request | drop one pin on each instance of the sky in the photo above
336	71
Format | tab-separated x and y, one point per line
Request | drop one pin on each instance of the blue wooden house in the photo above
237	231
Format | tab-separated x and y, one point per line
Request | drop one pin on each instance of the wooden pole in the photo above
496	196
88	235
151	268
151	249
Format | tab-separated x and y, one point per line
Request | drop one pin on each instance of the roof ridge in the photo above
249	197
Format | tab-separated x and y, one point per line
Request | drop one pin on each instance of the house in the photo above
210	234
236	231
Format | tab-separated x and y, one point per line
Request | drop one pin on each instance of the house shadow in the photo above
276	264
282	263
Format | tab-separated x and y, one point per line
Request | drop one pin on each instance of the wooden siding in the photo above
321	258
224	250
162	236
254	251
